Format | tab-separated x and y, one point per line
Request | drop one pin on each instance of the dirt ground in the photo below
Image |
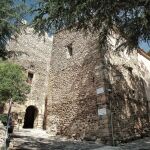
35	139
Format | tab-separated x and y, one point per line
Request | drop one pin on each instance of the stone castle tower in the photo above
33	54
94	93
79	91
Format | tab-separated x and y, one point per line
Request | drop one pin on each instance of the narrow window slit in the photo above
30	77
69	50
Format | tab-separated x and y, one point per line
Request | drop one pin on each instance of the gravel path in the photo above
36	139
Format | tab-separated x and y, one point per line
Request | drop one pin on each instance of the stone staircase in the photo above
28	139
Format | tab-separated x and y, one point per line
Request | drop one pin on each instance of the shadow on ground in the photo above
26	143
30	143
141	144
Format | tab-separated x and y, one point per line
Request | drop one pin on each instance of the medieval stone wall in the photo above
144	64
33	54
2	135
127	99
72	100
81	91
93	93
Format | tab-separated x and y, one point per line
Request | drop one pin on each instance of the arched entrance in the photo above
30	116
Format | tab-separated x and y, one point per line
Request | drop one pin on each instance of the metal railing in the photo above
7	126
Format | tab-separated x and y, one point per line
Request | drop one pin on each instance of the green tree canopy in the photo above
11	15
131	18
12	82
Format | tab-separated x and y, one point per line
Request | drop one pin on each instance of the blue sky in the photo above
145	46
30	3
142	45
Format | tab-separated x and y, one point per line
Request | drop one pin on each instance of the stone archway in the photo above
30	116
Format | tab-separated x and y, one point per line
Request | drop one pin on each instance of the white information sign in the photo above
102	111
100	90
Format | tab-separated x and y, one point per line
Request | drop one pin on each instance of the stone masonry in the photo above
128	100
80	91
72	100
33	54
2	135
95	95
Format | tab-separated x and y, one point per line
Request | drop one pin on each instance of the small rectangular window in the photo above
69	50
30	77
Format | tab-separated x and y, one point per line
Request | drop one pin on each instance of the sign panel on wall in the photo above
100	90
102	111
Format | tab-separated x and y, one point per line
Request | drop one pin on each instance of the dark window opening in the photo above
130	69
30	77
133	93
93	79
70	49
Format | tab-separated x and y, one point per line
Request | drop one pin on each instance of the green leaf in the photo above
12	82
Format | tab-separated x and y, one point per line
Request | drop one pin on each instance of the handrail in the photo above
8	122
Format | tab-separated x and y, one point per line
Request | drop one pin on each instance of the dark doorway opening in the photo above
30	116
